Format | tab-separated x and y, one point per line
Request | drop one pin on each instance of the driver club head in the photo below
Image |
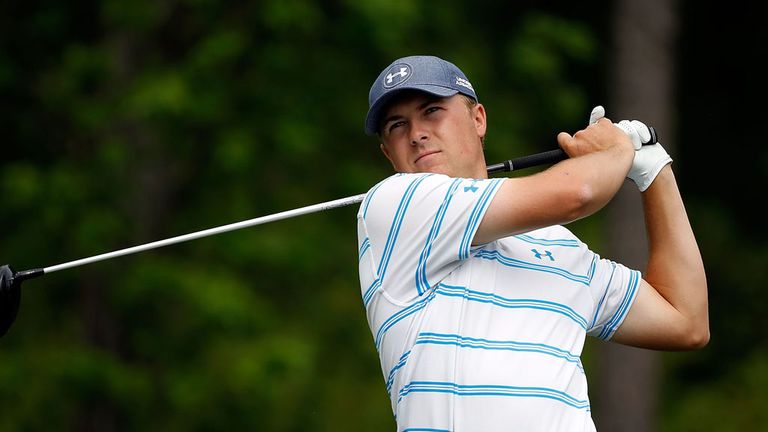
10	298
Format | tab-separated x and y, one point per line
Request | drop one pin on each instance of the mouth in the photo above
425	155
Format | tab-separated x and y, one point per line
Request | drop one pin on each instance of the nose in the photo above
418	133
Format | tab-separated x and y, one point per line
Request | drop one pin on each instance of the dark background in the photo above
128	122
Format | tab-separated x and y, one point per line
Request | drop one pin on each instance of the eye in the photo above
394	125
432	108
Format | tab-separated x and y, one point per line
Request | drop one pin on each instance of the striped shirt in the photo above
484	338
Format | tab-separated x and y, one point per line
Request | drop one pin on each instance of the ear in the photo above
480	119
386	153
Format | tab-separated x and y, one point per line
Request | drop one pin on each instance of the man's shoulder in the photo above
410	192
427	193
400	183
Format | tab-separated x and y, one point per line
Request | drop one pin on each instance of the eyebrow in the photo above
430	99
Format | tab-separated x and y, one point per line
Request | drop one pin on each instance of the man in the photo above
478	299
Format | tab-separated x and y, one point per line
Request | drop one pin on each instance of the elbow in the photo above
580	201
696	338
696	331
700	339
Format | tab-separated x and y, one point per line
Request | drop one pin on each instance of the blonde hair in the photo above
470	102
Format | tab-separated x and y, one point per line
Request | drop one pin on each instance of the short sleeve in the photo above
614	288
416	229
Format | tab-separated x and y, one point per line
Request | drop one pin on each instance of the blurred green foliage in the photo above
128	122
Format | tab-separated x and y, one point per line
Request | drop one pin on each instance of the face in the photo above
426	133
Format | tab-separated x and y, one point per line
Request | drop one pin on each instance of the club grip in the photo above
546	158
543	158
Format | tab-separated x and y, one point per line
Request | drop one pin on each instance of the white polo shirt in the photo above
483	338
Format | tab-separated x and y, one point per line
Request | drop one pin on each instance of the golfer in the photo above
478	299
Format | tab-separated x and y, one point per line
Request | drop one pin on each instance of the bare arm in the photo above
601	156
670	311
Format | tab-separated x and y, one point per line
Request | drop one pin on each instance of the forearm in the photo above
570	190
600	157
675	268
598	176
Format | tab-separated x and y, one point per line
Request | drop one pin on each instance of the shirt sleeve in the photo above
419	228
614	288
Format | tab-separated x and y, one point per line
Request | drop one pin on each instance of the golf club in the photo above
10	281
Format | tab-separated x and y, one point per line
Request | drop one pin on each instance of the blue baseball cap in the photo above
426	73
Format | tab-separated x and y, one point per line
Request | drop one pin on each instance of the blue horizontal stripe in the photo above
516	263
483	297
425	430
548	242
400	315
491	390
486	344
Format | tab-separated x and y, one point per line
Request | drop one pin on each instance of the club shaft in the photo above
341	202
543	158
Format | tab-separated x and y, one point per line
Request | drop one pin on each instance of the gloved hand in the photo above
598	112
633	131
649	159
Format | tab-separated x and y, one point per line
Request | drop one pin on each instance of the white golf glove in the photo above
649	159
637	132
597	113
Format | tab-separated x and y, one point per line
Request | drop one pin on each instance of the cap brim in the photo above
373	118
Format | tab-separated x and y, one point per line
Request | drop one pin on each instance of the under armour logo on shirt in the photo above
540	255
472	187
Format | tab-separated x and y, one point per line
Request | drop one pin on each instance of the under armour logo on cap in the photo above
397	75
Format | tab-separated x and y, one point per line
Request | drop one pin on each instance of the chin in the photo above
438	169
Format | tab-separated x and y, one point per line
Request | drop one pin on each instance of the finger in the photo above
597	113
626	126
642	130
631	132
564	140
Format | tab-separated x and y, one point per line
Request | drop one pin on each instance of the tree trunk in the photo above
641	87
147	206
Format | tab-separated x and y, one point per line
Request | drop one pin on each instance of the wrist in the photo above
626	152
648	162
664	177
